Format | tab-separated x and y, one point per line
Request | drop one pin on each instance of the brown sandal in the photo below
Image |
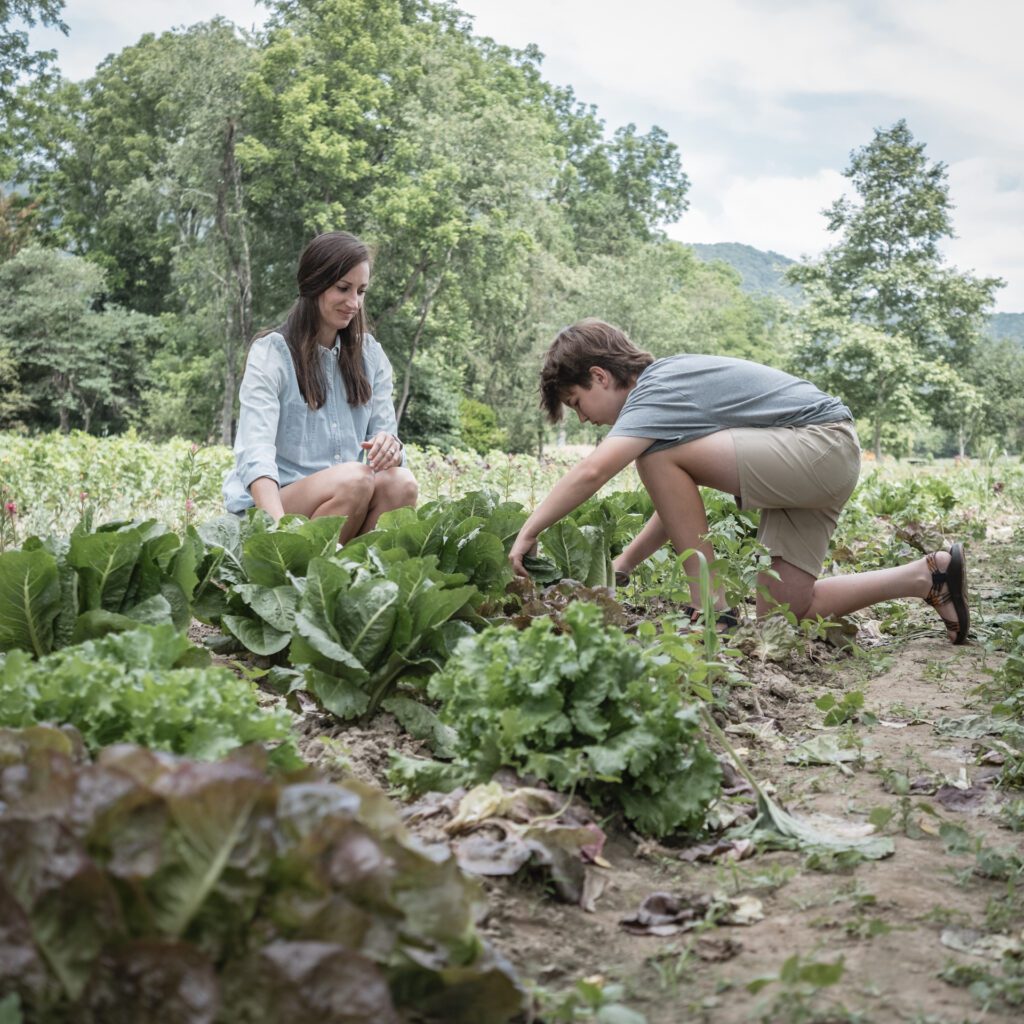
954	579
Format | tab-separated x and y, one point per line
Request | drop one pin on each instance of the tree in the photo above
881	377
18	62
886	273
72	361
886	270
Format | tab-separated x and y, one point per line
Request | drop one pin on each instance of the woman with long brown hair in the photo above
316	398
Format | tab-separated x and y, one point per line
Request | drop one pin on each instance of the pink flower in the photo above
83	495
10	508
189	504
194	448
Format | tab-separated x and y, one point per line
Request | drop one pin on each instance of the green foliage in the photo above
590	999
149	686
471	536
761	273
849	708
883	310
581	545
799	981
57	590
478	427
357	631
146	880
432	415
584	709
72	362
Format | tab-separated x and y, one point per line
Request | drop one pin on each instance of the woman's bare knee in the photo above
395	488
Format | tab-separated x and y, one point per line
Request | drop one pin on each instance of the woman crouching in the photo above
315	400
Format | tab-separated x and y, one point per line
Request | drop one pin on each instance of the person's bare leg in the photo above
833	596
672	477
393	488
343	490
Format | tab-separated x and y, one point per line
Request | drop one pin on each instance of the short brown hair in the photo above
579	347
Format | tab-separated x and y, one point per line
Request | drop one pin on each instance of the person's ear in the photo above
600	376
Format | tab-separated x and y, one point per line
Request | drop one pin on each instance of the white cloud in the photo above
778	213
765	98
101	27
990	203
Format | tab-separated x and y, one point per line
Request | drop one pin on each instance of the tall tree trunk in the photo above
877	444
231	225
428	299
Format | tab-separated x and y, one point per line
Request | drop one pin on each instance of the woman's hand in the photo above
524	545
384	451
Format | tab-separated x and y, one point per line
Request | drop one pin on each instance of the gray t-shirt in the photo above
681	398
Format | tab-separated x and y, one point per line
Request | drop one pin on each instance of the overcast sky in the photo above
765	98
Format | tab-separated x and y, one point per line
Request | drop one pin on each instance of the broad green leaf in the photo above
423	724
568	549
30	600
269	557
340	696
274	604
322	534
364	617
600	574
505	522
258	636
484	561
105	562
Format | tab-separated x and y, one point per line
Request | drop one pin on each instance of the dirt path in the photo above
886	919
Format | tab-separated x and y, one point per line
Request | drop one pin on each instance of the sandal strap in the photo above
940	579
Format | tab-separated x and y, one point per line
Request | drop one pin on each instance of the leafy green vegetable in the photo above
29	600
358	631
55	591
471	536
582	709
223	894
150	686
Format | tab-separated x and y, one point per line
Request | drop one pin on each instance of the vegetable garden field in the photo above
247	776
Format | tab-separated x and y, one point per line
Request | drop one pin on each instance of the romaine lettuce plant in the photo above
359	629
145	887
259	607
584	708
471	536
582	545
59	591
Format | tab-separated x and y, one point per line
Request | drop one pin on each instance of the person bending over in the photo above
776	441
315	399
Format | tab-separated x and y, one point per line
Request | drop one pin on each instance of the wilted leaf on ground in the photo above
663	914
983	944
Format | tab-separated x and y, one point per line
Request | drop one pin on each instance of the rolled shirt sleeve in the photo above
259	410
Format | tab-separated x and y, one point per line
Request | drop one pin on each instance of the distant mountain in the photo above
1007	325
763	273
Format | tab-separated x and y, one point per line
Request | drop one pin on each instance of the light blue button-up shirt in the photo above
281	437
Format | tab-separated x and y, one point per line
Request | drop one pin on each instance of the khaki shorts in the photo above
801	477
